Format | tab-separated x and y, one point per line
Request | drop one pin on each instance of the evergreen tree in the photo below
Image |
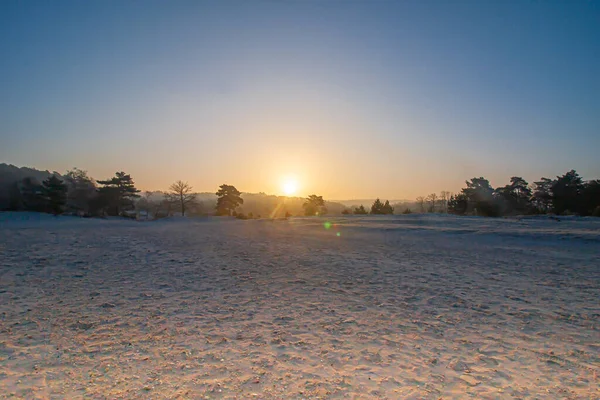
32	195
541	199
480	195
458	204
314	205
55	194
566	193
591	198
118	193
228	199
81	191
360	210
516	197
377	207
387	208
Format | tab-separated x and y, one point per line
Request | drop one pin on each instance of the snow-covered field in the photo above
421	307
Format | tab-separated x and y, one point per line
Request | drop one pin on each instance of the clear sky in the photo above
351	99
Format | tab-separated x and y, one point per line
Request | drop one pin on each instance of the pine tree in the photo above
387	208
542	196
377	207
32	195
516	197
567	193
55	194
314	205
360	210
118	193
480	195
458	204
228	199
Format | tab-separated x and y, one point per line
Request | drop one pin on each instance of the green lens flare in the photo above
338	234
327	225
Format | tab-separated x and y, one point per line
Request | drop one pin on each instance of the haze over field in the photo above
348	99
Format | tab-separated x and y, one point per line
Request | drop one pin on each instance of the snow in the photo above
411	306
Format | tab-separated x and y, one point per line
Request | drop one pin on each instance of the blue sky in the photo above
350	98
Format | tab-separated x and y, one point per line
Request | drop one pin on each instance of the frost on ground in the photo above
397	307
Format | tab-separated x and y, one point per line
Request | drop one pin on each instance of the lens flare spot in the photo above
327	225
338	234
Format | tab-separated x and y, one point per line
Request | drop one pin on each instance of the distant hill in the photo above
10	174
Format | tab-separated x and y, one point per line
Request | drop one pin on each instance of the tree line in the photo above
568	194
78	194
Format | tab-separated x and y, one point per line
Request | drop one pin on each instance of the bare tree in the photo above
444	197
182	193
421	203
432	199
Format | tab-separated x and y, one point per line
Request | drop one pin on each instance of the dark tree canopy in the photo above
31	195
81	191
458	204
480	195
387	208
566	193
228	198
381	208
360	210
515	198
542	196
118	193
377	207
314	205
55	193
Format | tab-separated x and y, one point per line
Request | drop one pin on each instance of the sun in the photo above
290	187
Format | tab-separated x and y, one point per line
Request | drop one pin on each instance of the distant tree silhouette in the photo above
32	196
360	210
55	194
387	208
81	191
591	198
444	197
432	201
314	205
346	212
481	197
407	211
15	200
181	193
118	193
421	203
515	197
228	199
458	204
567	193
377	207
542	196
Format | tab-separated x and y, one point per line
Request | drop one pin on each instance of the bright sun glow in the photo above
290	187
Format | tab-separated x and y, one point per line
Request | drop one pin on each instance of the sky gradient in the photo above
354	99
